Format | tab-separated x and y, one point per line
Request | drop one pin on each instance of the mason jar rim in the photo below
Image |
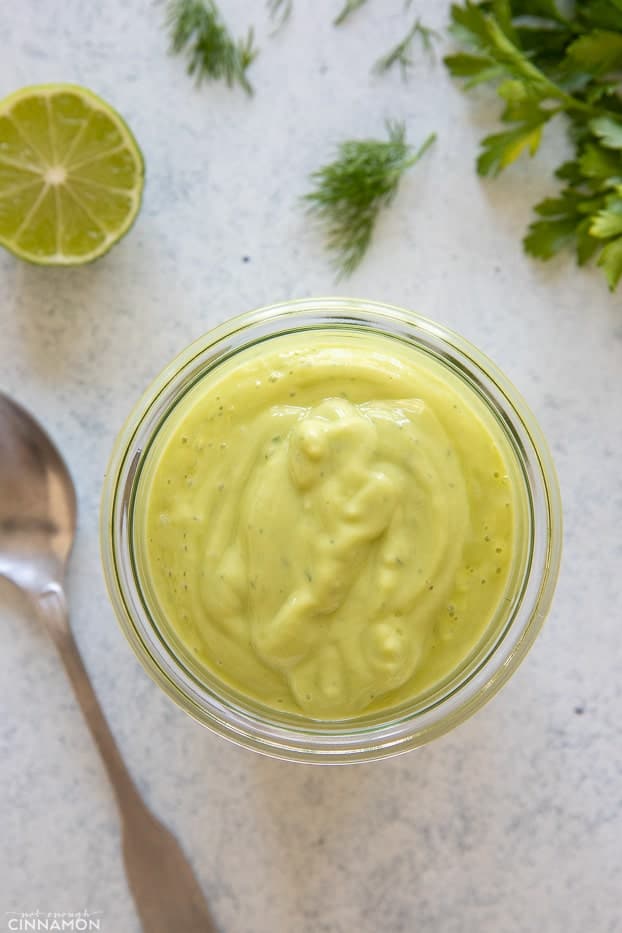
315	741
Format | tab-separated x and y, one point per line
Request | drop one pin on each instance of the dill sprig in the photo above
401	53
196	26
351	190
280	11
349	7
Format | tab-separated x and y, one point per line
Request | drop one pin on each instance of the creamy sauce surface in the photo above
327	523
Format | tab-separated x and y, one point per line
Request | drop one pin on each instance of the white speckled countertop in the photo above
513	823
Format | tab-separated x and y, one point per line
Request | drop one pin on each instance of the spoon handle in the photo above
165	890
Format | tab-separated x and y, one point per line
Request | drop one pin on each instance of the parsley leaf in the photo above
557	230
545	59
608	130
611	262
597	52
608	221
501	149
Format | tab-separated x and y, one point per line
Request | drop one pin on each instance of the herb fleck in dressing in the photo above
327	522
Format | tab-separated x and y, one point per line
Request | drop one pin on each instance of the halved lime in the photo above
71	175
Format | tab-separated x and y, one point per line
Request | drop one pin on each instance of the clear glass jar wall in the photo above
371	735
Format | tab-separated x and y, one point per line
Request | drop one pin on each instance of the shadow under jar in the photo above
331	530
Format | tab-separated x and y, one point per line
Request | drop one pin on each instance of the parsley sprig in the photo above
545	62
351	190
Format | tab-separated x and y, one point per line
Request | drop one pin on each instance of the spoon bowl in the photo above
38	507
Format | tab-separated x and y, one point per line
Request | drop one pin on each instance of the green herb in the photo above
349	7
351	190
401	54
548	60
197	28
280	11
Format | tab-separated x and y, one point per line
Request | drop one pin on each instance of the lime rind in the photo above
70	171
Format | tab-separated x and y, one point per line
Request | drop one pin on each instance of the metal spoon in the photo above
37	526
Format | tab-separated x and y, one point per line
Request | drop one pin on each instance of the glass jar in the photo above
368	736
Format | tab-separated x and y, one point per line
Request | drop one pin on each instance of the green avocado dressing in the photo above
330	523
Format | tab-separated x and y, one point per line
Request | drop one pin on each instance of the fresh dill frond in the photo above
280	11
349	7
197	27
401	54
351	190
